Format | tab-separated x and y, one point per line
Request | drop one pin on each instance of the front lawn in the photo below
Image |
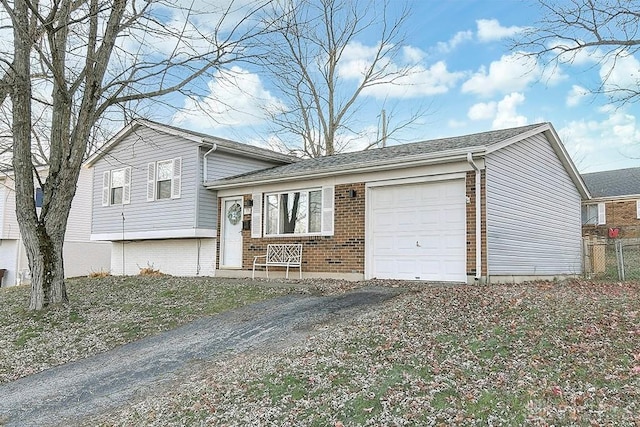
532	354
107	312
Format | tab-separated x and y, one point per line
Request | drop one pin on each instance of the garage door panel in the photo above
419	231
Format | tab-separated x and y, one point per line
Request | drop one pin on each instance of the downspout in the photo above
204	161
478	218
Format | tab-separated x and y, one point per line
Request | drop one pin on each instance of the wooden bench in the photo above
279	255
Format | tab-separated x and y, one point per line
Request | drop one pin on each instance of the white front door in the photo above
231	256
418	231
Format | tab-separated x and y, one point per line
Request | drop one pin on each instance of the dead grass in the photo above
109	311
535	354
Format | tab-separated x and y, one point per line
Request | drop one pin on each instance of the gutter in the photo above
478	218
204	161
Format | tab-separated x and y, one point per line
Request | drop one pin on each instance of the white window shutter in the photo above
176	180
602	214
256	216
638	209
126	188
106	187
151	181
327	211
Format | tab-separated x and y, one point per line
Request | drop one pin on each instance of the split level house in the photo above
149	201
82	256
615	204
496	206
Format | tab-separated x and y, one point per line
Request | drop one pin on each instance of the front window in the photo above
593	214
117	186
298	212
165	174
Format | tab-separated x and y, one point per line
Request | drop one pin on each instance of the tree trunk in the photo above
47	268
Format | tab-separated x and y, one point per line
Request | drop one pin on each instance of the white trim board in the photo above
156	234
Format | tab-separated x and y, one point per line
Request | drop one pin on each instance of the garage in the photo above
417	231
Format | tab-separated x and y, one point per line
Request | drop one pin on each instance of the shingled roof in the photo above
379	156
197	137
613	183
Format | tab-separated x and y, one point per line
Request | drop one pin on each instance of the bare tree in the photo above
606	31
80	60
304	58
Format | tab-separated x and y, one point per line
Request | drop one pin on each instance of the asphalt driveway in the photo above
66	394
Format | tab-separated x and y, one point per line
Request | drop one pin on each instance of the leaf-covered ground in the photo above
107	312
530	354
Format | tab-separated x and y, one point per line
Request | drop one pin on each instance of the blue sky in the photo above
469	81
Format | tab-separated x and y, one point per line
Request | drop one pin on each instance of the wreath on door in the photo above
234	213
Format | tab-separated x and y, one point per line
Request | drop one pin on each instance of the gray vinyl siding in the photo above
222	165
533	212
137	150
79	222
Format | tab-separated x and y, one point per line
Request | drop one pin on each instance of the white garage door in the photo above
418	231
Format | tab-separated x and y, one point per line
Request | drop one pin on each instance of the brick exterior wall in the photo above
344	251
620	214
341	253
471	222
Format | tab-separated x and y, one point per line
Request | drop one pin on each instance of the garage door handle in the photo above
418	244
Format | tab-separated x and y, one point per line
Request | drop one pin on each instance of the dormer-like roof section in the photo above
614	183
198	138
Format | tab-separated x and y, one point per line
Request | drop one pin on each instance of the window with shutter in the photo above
256	216
116	187
151	181
327	211
164	179
106	187
299	212
602	214
176	181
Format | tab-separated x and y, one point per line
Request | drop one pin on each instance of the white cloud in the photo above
413	55
236	98
512	73
482	111
583	56
503	113
457	39
611	143
620	72
420	80
490	30
506	114
576	95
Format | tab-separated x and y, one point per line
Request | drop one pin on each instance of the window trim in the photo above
107	186
176	179
601	213
259	217
279	194
638	209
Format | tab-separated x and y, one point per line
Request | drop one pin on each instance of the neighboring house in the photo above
150	202
615	203
81	255
416	211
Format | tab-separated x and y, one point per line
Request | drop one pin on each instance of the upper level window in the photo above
39	196
594	214
298	212
164	179
116	187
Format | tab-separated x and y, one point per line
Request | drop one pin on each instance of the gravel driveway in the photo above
71	392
